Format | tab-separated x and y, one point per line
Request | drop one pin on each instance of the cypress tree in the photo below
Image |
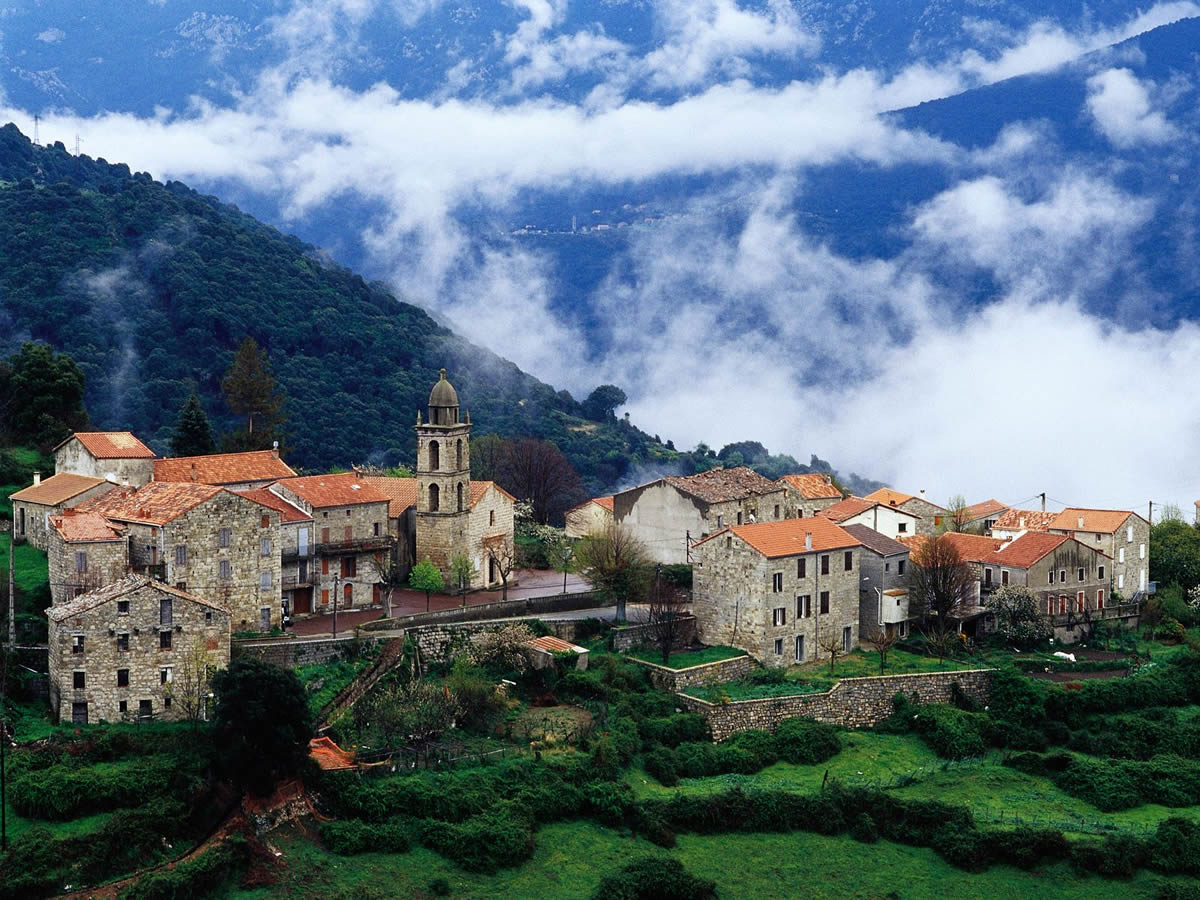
193	435
251	391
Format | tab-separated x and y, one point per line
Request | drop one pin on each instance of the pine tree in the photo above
251	391
193	434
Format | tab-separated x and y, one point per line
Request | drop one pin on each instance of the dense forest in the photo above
151	288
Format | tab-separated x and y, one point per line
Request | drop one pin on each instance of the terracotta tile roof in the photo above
57	489
82	527
1104	521
812	486
288	512
971	547
873	540
895	592
852	506
401	493
1034	519
787	536
983	509
720	485
605	502
155	503
126	585
223	468
328	755
1028	549
888	497
479	488
555	645
343	489
112	445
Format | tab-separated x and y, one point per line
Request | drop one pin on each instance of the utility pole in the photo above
1149	513
1043	501
78	141
12	596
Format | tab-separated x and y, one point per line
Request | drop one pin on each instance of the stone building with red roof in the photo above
34	506
592	516
116	456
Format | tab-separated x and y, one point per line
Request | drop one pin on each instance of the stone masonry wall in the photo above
37	516
480	526
853	702
630	636
290	653
74	457
366	521
192	625
107	561
720	672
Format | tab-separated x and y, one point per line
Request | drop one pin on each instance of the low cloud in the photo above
51	36
1120	106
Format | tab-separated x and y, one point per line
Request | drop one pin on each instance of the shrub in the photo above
864	829
806	741
1170	629
582	685
198	877
1026	848
654	878
66	791
488	842
439	887
760	745
660	764
350	836
1172	850
950	732
671	731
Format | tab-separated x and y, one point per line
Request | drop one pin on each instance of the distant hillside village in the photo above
790	570
153	560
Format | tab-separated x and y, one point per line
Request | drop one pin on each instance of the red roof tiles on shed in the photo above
112	445
223	468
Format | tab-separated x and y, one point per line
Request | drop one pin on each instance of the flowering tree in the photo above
1017	616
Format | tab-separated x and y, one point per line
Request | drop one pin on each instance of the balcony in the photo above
293	554
157	571
357	545
1124	611
291	582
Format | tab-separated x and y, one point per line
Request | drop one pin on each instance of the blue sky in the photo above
434	122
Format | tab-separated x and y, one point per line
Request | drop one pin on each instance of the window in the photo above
459	493
1062	604
1050	577
1097	538
1129	535
434	497
167	702
1004	576
824	602
902	527
348	594
804	606
226	570
987	577
80	562
145	709
1100	573
1062	576
123	707
1121	555
164	640
903	629
799	648
208	617
729	543
264	547
1080	599
1121	582
1141	551
739	517
122	678
802	568
848	561
777	583
324	535
264	581
347	514
777	510
887	566
77	643
348	533
122	607
165	611
266	521
779	646
80	679
779	616
847	638
435	456
900	567
720	521
349	566
376	529
825	564
1100	599
164	675
224	537
492	517
123	640
325	565
458	454
325	596
1082	577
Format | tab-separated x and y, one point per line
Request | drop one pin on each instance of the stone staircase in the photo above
389	655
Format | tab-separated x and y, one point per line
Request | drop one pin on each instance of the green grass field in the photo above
32	571
684	659
31	459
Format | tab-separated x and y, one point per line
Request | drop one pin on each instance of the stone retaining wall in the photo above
292	652
630	636
435	640
528	606
853	702
707	673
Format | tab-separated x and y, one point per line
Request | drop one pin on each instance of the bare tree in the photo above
615	562
833	646
536	470
191	685
502	555
940	583
390	577
882	641
959	514
668	605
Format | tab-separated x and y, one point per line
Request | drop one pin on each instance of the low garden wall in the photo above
291	652
675	680
434	641
627	637
501	609
852	702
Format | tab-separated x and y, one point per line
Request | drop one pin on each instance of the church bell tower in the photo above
443	478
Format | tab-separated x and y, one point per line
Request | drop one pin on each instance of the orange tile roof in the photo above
787	536
83	527
1104	521
126	585
288	512
888	497
604	502
223	468
1028	549
400	492
721	485
852	506
57	489
983	509
112	445
812	485
154	503
971	547
328	755
1035	520
343	489
479	488
555	645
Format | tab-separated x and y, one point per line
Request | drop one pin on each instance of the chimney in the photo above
275	449
1080	520
37	478
828	479
922	493
808	540
1022	522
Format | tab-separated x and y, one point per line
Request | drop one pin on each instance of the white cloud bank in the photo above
1120	104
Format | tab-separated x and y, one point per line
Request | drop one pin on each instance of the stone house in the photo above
236	471
975	550
669	514
401	494
590	517
350	525
778	589
1122	535
295	549
808	494
133	649
1070	578
931	515
1013	523
85	551
982	516
33	506
883	586
206	540
116	456
887	520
